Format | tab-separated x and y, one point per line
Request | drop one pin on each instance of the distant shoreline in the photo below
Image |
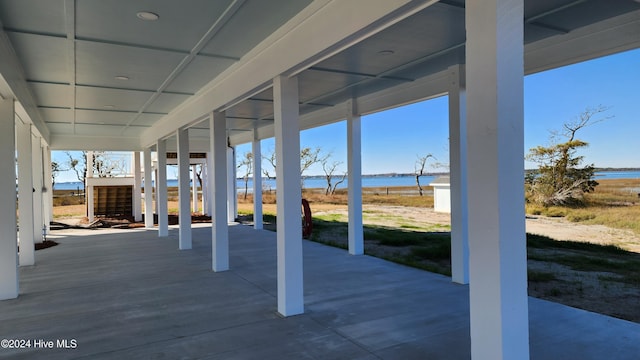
395	179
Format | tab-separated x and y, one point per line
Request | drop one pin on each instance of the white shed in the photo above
441	194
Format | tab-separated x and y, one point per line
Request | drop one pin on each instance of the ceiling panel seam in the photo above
80	39
384	75
345	72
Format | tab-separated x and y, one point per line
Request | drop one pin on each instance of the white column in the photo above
218	185
161	196
354	181
148	189
137	187
47	197
288	196
194	188
155	189
256	149
495	153
205	186
25	194
88	189
8	237
184	215
38	219
458	176
209	182
232	192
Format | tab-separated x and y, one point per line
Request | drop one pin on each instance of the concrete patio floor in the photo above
128	294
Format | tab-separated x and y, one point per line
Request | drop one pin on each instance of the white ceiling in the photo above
70	54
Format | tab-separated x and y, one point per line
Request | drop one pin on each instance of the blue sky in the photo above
392	140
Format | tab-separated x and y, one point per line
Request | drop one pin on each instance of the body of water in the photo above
367	181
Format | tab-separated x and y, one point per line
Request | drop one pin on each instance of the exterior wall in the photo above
442	198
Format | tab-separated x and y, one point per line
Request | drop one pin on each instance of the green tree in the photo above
560	179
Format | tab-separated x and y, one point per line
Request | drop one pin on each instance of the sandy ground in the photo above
555	228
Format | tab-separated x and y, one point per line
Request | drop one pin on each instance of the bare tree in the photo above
421	162
247	164
308	157
199	171
271	159
104	164
329	173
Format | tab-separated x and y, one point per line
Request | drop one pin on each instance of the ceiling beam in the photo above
604	38
97	143
106	87
13	84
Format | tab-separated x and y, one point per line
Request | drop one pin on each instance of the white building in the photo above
441	194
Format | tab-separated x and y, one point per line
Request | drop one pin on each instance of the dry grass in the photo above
614	203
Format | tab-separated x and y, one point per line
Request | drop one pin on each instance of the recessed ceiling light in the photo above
147	16
122	77
386	52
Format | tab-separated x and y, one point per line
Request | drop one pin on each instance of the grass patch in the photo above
415	263
438	250
329	217
553	292
600	264
544	242
587	257
540	276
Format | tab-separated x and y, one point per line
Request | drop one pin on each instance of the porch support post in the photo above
38	218
194	189
88	189
495	168
218	185
25	194
205	186
184	214
232	193
209	182
288	196
161	184
137	187
8	237
47	196
148	189
256	149
354	174
458	176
